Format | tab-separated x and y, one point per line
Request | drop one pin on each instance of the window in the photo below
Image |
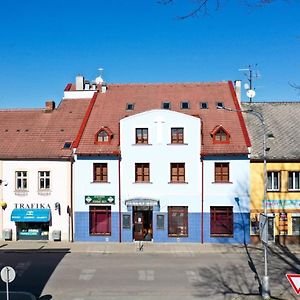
130	106
100	220
102	136
67	145
44	180
177	135
100	172
221	221
178	221
166	105
21	180
142	172
219	104
220	135
221	172
203	105
273	181
160	221
177	172
184	105
296	225
126	221
141	136
294	181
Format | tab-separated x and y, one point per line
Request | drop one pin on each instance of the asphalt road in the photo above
62	275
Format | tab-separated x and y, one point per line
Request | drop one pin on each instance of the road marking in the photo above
146	275
22	267
87	274
192	276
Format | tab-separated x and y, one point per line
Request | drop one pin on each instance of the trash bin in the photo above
7	234
56	235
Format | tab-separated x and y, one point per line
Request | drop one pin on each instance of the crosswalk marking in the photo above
146	275
192	276
21	267
87	274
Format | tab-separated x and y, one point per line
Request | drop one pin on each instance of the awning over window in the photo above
30	215
141	202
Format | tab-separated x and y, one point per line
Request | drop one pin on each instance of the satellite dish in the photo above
246	86
251	93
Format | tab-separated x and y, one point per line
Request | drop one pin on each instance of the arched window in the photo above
220	135
104	135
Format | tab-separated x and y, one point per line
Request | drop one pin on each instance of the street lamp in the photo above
265	292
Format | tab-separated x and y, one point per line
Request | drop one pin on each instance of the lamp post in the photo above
265	292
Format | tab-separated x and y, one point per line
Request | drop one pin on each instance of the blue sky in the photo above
45	44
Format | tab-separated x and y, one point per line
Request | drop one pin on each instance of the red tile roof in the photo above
36	134
110	107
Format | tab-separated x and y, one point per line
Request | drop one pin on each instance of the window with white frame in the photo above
273	181
296	225
21	180
44	180
294	181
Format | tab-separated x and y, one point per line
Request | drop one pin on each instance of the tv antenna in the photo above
251	73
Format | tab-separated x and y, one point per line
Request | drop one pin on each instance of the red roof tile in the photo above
110	107
36	134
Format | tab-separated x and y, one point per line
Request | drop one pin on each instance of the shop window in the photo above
142	172
296	225
126	221
141	135
178	221
255	225
177	172
100	220
177	135
221	172
283	223
221	221
294	181
273	181
160	221
44	180
100	172
21	180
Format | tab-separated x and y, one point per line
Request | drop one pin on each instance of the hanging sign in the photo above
99	199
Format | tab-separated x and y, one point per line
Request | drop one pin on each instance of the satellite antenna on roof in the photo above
99	79
250	90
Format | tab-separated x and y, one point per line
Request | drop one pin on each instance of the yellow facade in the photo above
283	204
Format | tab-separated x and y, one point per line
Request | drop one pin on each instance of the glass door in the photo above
271	229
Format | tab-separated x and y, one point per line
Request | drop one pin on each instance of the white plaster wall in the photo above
159	154
1	199
78	94
224	194
84	185
60	186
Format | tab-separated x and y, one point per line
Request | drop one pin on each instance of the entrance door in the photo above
270	229
142	220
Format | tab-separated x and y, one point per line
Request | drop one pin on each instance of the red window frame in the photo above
100	172
178	221
100	220
177	172
222	172
141	135
142	172
177	135
221	221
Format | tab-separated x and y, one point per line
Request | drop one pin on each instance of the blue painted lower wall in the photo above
160	235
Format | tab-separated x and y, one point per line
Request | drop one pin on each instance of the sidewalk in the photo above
144	247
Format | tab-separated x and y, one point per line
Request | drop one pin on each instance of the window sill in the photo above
177	144
221	235
273	191
44	192
293	191
177	236
222	182
140	144
146	182
100	234
99	182
177	182
21	192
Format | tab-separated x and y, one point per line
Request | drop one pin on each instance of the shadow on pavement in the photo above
33	270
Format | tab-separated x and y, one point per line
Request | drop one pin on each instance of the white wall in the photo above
60	186
84	185
1	199
159	154
78	94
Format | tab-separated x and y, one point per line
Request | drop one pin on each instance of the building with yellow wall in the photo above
282	120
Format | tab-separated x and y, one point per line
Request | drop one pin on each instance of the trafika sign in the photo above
294	280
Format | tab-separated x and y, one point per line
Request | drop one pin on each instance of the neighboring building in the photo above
160	162
283	169
36	165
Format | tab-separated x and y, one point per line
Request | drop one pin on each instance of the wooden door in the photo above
138	229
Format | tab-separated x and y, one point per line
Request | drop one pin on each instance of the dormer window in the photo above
130	106
185	105
203	105
220	104
104	135
166	105
220	135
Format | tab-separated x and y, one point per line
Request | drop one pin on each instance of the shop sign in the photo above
99	199
33	205
282	204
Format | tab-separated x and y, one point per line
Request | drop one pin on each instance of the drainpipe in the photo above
202	201
120	206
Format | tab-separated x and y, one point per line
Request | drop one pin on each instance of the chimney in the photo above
103	88
49	106
79	82
237	88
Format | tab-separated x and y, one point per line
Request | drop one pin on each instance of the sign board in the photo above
263	228
282	204
99	199
294	280
8	274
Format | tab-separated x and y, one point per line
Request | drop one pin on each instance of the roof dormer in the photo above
220	135
103	136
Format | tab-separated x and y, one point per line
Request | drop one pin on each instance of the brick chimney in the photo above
49	106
